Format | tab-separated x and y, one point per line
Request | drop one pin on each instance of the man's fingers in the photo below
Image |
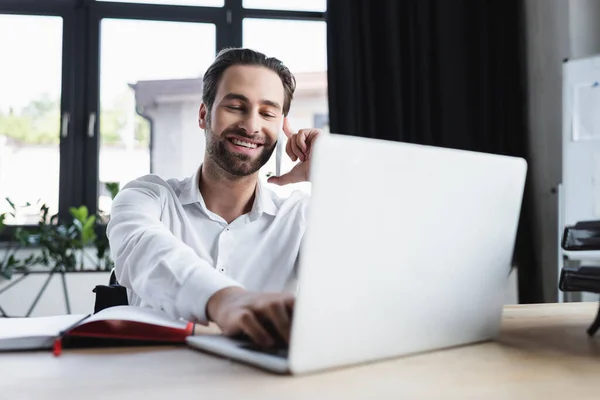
280	319
312	135
251	327
296	149
310	141
301	142
290	151
287	129
289	305
283	180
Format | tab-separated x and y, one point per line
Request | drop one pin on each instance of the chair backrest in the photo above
110	295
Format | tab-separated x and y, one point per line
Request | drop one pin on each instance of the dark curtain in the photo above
447	73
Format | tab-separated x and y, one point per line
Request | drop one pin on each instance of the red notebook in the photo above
121	325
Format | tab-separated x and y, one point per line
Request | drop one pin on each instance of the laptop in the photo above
408	250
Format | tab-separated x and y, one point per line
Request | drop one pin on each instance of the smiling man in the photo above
220	246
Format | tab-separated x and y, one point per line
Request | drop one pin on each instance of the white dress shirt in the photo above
172	253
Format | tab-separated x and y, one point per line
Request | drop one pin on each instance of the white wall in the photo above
166	143
303	110
193	141
178	142
584	27
555	30
17	300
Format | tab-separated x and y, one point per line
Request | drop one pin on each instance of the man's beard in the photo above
237	164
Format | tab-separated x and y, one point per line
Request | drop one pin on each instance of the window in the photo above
102	91
206	3
296	5
148	82
30	98
303	48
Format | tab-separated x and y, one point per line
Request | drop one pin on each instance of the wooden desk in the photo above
543	352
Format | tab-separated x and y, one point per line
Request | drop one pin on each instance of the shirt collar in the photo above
263	200
190	192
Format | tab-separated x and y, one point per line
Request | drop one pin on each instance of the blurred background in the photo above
94	93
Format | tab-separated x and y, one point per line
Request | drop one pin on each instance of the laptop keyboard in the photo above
281	352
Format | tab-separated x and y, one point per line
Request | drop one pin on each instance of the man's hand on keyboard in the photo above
264	317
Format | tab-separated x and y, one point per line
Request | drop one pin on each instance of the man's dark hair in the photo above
236	56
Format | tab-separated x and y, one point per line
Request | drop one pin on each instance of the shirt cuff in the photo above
195	292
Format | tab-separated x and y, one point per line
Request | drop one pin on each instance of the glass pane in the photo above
205	3
30	94
303	49
150	92
295	5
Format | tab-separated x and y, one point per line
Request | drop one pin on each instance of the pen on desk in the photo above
190	328
57	345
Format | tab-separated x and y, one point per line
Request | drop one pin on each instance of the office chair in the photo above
110	295
584	235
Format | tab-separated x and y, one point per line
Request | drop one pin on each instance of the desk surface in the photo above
542	352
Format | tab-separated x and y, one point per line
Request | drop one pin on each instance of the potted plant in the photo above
58	246
9	262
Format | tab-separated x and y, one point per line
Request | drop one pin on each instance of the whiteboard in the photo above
580	188
581	140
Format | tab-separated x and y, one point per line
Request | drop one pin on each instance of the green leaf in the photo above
87	234
81	213
9	267
101	247
113	188
6	273
59	243
26	237
11	204
78	224
70	263
44	217
53	219
12	261
44	259
2	224
74	213
29	260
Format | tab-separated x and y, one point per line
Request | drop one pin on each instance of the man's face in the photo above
245	119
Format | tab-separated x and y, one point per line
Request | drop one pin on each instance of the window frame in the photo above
80	90
63	9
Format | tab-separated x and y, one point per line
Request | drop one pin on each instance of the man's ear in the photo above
202	116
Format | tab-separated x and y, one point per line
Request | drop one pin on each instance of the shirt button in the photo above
222	270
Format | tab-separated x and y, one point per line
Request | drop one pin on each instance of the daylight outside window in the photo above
30	96
302	46
150	91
